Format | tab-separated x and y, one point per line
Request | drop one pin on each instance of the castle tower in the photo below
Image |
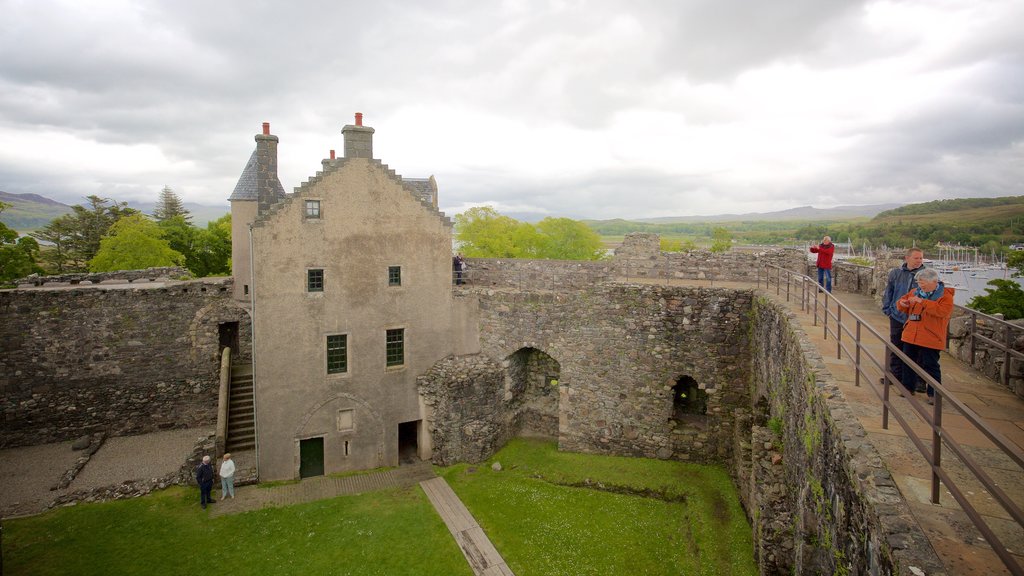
258	188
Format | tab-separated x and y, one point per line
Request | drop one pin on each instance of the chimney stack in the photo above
358	139
332	154
266	169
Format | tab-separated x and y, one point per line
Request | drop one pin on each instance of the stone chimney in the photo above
267	184
358	139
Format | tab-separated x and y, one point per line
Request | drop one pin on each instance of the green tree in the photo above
672	245
1006	298
170	206
17	255
58	236
1016	260
721	240
567	239
134	243
484	233
89	224
211	253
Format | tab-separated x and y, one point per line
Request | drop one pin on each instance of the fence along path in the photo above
956	540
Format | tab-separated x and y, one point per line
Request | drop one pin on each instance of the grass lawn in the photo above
387	532
547	512
551	513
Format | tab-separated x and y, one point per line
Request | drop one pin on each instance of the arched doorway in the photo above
532	387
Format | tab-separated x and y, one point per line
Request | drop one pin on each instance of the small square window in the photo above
395	347
312	208
394	275
337	354
315	280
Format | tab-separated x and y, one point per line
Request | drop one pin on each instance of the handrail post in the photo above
824	319
936	447
1007	342
815	314
974	328
839	332
856	362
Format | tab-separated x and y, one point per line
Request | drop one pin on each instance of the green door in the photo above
311	457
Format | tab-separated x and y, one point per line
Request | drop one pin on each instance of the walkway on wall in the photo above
954	538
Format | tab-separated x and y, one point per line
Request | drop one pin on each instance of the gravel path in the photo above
26	474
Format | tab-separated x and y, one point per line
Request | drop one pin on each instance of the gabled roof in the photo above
421	187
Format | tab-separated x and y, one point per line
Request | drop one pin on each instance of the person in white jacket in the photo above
227	477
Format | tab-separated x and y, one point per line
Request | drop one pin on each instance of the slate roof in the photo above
246	187
421	186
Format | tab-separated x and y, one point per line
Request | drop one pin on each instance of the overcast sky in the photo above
586	109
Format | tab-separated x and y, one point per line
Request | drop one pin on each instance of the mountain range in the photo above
30	212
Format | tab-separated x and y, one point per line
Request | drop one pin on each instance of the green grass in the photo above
547	512
387	532
551	512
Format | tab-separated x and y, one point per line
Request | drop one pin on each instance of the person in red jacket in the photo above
825	250
928	308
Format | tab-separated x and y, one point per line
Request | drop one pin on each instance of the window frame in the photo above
309	280
391	359
342	366
309	203
395	276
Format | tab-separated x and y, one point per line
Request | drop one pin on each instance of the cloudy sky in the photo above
586	109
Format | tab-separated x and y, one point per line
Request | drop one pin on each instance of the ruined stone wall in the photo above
620	349
639	257
817	492
849	277
467	415
123	361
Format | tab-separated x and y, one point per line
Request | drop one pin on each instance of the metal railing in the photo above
850	332
1009	332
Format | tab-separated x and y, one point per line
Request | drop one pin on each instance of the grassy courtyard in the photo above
547	513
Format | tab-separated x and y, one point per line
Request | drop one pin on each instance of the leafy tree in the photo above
211	249
672	245
567	239
59	236
484	233
17	255
134	243
90	224
721	240
1006	298
170	206
1016	260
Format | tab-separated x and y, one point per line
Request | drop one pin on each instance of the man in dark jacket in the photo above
204	476
899	282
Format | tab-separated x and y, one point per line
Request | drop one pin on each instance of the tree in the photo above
211	249
90	224
58	235
721	240
567	239
134	243
1006	298
1016	260
671	245
17	255
170	206
483	233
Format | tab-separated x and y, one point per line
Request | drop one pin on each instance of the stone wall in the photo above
119	276
639	257
849	277
620	349
988	359
816	469
122	361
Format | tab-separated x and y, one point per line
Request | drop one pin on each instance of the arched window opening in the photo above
688	398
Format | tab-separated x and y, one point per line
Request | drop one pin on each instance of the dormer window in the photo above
312	209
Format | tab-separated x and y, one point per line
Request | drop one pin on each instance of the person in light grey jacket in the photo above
227	477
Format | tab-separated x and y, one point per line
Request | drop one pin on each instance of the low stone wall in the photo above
827	495
849	277
988	359
639	257
148	275
125	361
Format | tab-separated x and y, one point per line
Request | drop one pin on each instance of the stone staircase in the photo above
241	410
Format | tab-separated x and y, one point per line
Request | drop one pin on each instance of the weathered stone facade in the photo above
122	361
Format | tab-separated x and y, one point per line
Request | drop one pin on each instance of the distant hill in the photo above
799	213
30	212
960	210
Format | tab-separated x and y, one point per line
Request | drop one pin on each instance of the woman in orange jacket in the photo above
928	308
